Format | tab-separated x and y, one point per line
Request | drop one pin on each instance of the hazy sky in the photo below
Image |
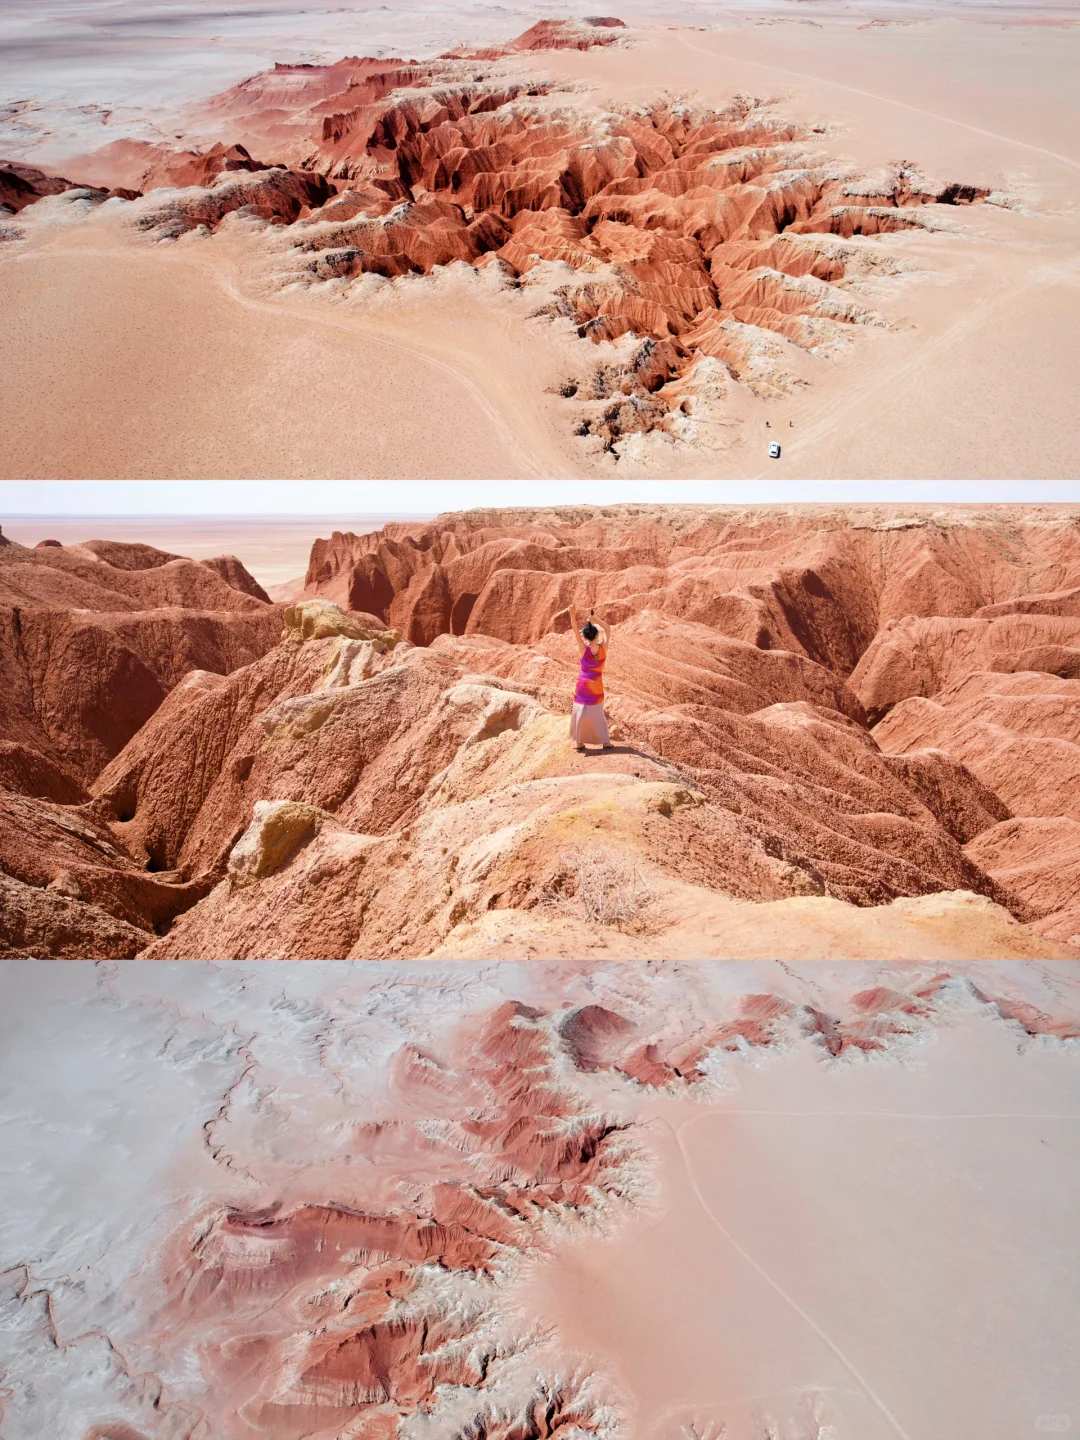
269	498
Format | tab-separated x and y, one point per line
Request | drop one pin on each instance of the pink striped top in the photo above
590	683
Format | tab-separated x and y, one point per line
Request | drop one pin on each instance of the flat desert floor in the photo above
737	1200
943	348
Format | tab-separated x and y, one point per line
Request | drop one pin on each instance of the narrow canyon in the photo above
838	733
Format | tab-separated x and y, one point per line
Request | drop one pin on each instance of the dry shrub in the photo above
604	886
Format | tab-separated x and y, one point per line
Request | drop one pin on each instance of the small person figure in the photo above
588	723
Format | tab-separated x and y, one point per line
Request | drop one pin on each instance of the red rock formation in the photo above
837	591
276	194
1017	729
21	185
586	34
694	231
236	577
376	755
432	782
871	1020
306	1296
191	167
37	924
92	639
683	227
1038	859
923	656
875	1017
1019	733
316	1315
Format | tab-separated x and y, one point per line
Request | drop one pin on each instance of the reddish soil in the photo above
304	1316
384	1336
374	779
92	640
22	185
693	230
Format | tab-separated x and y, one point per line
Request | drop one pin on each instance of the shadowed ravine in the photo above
820	727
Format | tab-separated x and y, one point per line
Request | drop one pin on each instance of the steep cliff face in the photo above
92	639
383	775
839	587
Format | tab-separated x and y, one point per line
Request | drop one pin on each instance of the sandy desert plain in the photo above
445	1202
511	241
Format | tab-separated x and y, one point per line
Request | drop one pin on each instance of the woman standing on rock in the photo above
588	723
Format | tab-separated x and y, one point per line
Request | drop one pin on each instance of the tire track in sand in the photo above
789	1300
540	459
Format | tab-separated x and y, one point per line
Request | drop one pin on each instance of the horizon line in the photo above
42	501
287	518
283	519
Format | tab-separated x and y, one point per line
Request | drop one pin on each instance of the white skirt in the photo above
588	725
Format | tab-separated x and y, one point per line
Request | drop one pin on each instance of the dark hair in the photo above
589	630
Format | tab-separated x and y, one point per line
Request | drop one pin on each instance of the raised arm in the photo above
577	631
608	628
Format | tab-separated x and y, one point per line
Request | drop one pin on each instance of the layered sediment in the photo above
93	638
365	1200
711	245
383	768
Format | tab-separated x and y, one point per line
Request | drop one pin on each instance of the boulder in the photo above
320	619
278	828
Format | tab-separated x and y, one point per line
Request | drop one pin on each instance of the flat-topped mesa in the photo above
586	34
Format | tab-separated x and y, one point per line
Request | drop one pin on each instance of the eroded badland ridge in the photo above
713	255
366	1200
840	732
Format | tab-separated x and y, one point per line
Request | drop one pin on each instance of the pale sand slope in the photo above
848	1251
791	1241
183	361
136	363
689	923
